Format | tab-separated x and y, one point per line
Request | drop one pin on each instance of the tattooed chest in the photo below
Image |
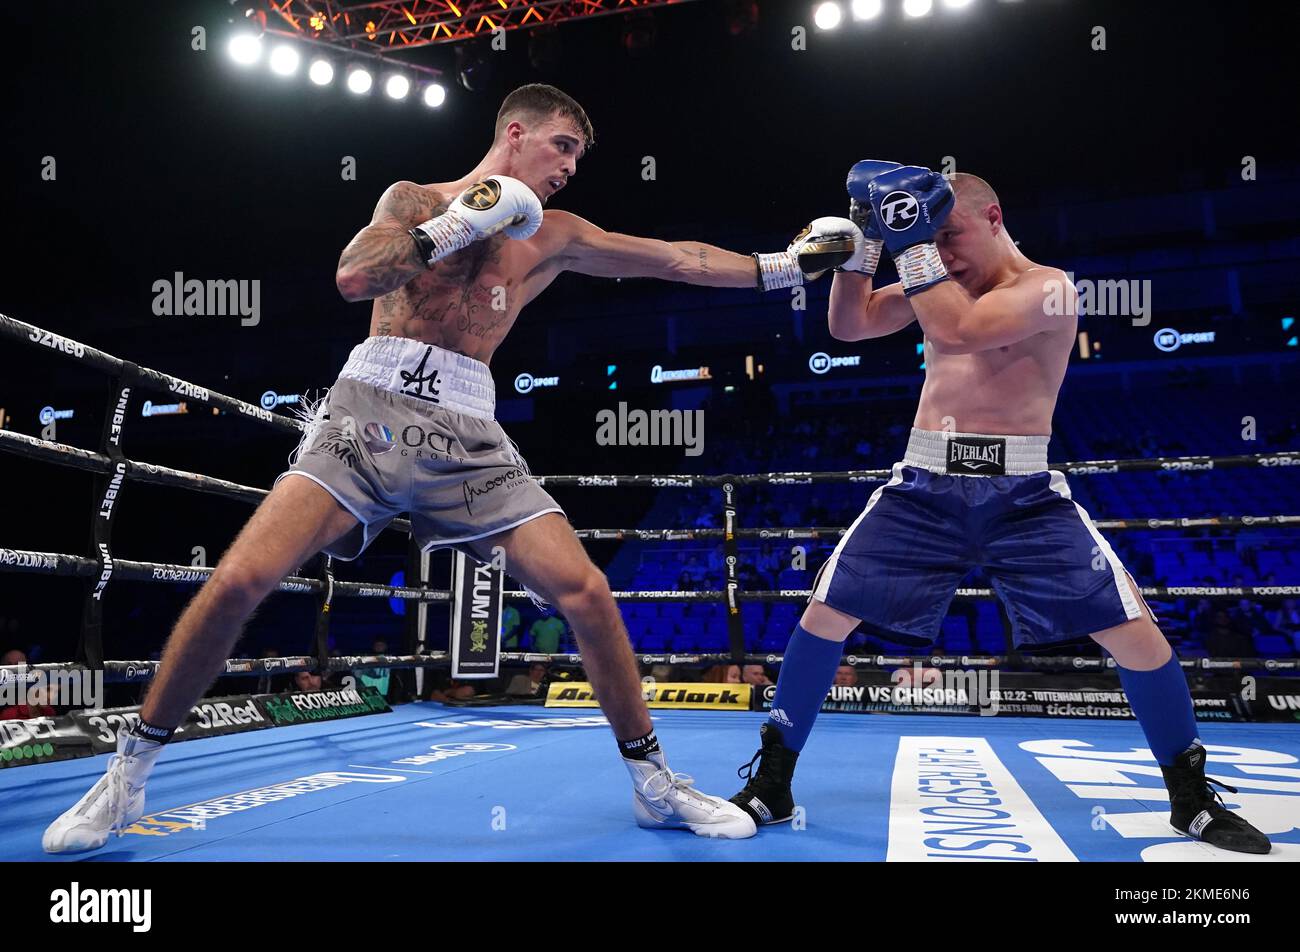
467	295
439	308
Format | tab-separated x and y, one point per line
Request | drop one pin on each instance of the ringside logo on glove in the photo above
482	195
899	207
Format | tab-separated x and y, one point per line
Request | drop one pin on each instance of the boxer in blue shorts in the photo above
974	489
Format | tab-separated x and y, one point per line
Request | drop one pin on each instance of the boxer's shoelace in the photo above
119	792
659	784
1205	790
1211	783
746	771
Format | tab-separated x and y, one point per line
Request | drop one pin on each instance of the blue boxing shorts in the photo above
960	501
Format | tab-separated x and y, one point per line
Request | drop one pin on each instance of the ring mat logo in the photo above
482	195
1268	791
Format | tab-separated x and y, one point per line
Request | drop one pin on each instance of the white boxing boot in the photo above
663	800
112	804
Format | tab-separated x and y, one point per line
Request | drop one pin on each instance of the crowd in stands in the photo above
1091	427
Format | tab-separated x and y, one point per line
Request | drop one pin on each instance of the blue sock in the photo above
806	676
1163	706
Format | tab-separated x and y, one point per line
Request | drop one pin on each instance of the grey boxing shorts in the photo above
410	427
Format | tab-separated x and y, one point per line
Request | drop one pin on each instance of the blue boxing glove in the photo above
909	205
860	212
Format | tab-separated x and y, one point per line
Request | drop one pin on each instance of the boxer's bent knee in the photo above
825	622
585	594
1138	645
239	587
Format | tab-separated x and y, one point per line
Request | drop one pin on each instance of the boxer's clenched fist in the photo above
859	178
909	205
498	203
824	244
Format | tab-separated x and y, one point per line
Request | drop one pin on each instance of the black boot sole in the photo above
1248	852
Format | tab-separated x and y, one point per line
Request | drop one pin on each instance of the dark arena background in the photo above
1147	149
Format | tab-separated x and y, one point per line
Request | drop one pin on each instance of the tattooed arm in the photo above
383	256
588	249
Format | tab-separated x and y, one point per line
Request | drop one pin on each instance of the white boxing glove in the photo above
826	243
498	203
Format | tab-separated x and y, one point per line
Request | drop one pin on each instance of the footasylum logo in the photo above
98	906
321	705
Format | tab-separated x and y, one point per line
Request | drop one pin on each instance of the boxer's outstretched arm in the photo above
588	249
383	257
956	323
858	312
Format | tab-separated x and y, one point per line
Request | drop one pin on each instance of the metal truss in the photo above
384	27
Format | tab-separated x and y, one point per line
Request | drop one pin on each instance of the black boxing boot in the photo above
767	797
1197	810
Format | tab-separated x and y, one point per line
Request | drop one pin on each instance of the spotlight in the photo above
397	86
917	8
434	95
956	4
284	60
321	72
359	81
245	49
867	9
827	16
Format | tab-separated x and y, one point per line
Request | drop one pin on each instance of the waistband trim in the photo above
976	454
424	372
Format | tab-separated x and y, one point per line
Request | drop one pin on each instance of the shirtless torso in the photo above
1010	388
468	302
995	357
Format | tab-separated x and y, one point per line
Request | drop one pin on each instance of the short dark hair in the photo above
973	192
538	101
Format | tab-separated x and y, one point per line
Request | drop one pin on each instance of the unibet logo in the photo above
482	196
899	210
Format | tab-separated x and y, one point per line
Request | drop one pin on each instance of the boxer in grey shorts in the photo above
447	268
381	444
